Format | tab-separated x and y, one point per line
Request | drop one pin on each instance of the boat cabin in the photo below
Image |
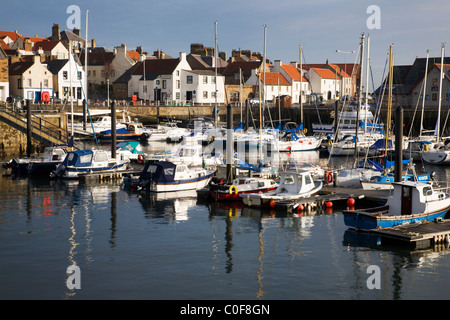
411	198
295	182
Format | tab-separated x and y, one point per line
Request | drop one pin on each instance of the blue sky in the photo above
320	26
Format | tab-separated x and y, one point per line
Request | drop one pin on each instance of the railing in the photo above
41	129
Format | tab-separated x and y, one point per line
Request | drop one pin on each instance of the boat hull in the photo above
365	221
74	172
182	185
221	195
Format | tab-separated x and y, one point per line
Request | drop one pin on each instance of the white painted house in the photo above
199	87
66	75
292	75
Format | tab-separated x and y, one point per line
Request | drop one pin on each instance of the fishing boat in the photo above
410	202
240	186
292	186
88	161
192	155
164	176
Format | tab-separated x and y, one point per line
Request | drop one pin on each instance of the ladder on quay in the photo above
41	130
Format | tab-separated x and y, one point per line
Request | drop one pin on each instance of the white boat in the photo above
240	186
168	132
346	145
439	154
101	123
296	140
292	186
347	120
37	167
411	202
192	155
163	176
88	161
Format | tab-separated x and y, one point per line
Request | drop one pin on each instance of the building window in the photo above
79	93
213	80
46	83
189	79
178	84
29	82
205	80
177	94
164	84
205	94
79	76
157	82
64	75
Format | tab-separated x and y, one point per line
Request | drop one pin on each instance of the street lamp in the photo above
345	67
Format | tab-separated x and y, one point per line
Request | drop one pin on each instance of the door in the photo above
188	95
406	200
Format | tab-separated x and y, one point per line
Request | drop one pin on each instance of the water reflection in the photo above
170	206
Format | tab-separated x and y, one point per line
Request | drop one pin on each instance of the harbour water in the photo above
173	247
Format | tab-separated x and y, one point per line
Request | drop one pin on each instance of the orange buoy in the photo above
350	202
300	208
329	204
272	203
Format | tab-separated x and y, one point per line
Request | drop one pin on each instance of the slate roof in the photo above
56	65
19	68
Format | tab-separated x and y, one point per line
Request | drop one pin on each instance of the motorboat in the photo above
131	150
241	186
37	167
411	202
164	176
385	181
292	186
88	161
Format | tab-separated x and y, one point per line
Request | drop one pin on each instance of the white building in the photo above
199	87
66	75
292	75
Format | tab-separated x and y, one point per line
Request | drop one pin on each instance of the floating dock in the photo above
418	235
334	195
104	176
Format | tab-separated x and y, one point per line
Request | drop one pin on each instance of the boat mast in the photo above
389	104
86	64
301	86
424	93
215	72
361	73
71	88
264	95
438	123
367	82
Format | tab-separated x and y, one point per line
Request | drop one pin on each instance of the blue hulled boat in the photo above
410	202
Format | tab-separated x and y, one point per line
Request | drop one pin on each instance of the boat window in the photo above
85	158
308	180
299	181
101	156
427	191
289	179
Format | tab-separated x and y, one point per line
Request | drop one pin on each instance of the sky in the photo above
320	26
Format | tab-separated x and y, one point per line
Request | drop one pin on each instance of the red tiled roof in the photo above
12	34
4	45
339	70
134	55
326	73
274	78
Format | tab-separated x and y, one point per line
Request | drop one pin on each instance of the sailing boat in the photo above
440	153
365	169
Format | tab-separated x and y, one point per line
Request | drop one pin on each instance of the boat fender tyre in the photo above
233	188
329	177
330	142
425	147
141	158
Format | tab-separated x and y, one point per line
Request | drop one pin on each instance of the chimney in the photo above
182	56
139	50
76	31
27	45
93	43
56	36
